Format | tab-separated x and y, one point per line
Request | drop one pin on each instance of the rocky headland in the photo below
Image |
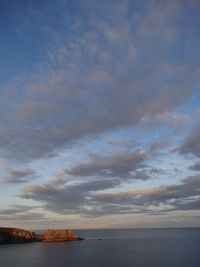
59	236
15	235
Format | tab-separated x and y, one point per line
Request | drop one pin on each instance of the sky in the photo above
99	113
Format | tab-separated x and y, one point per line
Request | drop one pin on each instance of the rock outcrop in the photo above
14	235
58	235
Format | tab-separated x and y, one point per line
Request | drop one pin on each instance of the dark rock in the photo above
14	235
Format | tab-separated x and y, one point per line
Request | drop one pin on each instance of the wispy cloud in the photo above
19	176
82	92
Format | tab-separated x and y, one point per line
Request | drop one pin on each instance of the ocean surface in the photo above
111	248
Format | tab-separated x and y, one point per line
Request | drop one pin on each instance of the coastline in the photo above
16	236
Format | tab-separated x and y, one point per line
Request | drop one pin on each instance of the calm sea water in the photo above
118	248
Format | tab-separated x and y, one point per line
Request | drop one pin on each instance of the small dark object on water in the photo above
80	238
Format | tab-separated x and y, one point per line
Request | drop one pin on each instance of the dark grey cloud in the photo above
84	198
19	175
64	198
120	165
20	213
191	144
183	196
195	167
192	203
142	175
188	187
15	209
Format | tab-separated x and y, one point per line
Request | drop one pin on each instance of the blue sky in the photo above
99	113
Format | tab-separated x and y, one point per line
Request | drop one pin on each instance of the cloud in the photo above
158	145
184	196
63	198
191	144
19	176
44	127
20	213
173	120
96	80
195	167
87	198
121	165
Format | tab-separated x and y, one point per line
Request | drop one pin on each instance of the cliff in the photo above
15	235
58	235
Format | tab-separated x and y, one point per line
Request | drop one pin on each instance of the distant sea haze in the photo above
111	248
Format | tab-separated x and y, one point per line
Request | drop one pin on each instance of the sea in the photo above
111	248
